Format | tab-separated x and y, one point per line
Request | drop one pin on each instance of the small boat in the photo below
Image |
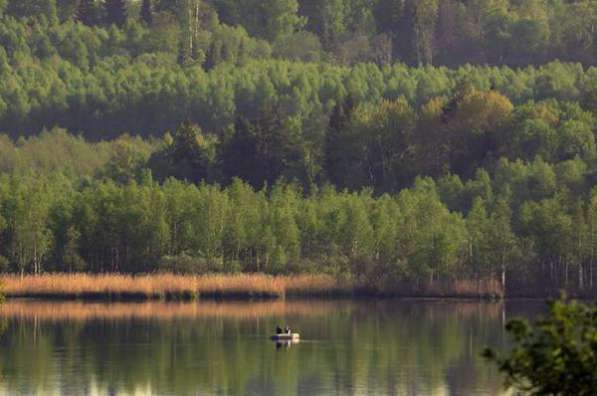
286	337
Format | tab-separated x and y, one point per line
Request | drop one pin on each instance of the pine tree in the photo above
85	12
147	12
115	12
340	120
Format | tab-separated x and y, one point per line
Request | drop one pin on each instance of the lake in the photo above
388	347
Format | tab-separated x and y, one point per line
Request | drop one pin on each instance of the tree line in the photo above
471	187
149	96
527	224
104	79
446	32
145	136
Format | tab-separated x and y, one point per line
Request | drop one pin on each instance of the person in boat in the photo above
278	329
287	330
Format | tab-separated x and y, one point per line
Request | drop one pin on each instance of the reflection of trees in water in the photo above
3	325
76	310
405	347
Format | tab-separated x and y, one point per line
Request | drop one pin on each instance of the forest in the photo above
382	141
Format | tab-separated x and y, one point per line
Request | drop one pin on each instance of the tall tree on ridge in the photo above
190	14
147	12
67	9
115	12
85	12
326	19
424	14
340	121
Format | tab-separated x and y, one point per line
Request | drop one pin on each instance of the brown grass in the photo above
178	287
82	311
487	288
466	288
115	286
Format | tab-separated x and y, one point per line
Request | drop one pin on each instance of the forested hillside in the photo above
387	141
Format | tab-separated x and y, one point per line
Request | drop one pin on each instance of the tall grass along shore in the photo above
179	287
167	286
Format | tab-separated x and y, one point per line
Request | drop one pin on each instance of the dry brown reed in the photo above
484	288
168	286
465	288
116	286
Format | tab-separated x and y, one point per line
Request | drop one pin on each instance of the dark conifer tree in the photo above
340	120
241	154
147	12
85	12
212	57
184	158
115	12
261	150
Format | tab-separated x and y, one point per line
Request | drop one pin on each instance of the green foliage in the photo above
447	32
331	157
267	19
188	155
556	355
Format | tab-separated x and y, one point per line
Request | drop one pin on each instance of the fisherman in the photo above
278	329
287	330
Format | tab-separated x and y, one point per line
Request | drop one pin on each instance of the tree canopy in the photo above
385	140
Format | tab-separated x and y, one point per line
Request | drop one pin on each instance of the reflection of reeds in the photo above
81	311
117	286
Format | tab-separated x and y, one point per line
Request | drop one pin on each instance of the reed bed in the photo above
255	286
465	288
83	311
164	286
487	288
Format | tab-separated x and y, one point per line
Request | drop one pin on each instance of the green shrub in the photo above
556	355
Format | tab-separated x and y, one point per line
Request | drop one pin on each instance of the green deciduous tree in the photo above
556	355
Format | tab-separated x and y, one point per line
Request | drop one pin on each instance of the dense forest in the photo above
385	141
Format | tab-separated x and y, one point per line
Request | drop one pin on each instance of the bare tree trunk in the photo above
503	273
35	257
551	271
592	254
580	277
190	19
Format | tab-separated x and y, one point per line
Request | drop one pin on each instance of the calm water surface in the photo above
404	347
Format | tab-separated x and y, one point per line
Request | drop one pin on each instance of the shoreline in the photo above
246	287
170	287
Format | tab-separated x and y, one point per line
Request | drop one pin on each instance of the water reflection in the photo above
389	347
286	344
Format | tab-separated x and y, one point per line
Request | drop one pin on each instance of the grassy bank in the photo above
178	287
